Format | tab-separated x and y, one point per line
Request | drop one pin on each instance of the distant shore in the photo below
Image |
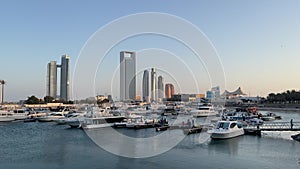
276	107
279	109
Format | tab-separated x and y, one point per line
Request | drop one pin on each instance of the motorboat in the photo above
100	122
50	117
255	121
204	111
226	130
6	116
296	137
270	117
20	114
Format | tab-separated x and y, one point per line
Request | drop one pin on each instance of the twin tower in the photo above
51	86
128	80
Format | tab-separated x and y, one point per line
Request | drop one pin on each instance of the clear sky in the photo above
257	41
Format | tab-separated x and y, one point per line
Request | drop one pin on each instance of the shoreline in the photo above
279	109
273	108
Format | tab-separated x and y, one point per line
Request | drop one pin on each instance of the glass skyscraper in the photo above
127	76
51	82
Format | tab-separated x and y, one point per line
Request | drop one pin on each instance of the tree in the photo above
48	99
33	100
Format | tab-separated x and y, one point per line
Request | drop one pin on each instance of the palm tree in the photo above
2	82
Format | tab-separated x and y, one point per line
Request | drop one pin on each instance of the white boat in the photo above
20	114
100	122
73	119
6	116
50	117
226	130
204	111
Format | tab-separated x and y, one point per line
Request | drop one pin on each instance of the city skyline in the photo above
257	42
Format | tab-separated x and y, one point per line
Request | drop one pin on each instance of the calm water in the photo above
46	145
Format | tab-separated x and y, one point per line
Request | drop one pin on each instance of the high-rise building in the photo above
127	75
65	78
153	85
169	90
51	87
160	87
146	97
51	82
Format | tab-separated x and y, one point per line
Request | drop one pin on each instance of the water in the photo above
46	145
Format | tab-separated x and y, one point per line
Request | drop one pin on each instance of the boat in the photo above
270	117
51	117
20	114
6	116
100	122
226	130
30	119
296	137
204	111
193	130
75	122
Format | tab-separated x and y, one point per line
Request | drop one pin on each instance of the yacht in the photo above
50	117
98	118
100	122
20	114
226	130
6	116
204	111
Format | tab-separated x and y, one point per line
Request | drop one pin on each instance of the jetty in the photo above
272	126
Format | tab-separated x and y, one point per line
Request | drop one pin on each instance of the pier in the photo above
272	126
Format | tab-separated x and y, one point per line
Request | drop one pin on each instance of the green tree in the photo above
48	99
33	100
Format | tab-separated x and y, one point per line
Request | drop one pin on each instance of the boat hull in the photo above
226	134
6	119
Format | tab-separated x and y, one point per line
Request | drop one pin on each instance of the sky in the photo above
257	43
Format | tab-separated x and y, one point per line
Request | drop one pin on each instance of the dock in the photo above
272	126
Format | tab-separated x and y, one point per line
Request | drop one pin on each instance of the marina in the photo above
71	148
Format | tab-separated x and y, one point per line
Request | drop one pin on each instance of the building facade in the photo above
153	85
146	97
127	75
160	87
65	78
169	90
51	79
51	86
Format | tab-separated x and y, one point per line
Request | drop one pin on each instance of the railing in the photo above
276	126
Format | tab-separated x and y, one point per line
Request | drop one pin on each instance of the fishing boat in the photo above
226	130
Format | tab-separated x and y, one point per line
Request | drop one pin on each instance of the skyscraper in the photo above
160	87
146	97
127	75
153	85
51	82
169	90
65	78
51	87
